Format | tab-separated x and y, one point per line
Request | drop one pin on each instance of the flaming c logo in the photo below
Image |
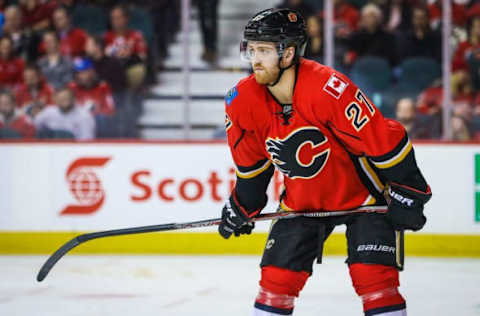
85	186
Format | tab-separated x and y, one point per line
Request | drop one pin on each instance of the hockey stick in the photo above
63	250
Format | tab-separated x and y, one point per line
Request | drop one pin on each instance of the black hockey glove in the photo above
235	219
405	209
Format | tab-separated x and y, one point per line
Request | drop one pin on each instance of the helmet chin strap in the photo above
280	73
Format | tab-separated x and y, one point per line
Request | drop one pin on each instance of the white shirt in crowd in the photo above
78	121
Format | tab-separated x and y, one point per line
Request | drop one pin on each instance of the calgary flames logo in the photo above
302	154
85	186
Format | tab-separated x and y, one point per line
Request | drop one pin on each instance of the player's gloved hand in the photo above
235	219
405	209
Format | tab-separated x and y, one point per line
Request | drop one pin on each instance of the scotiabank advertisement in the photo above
97	186
105	186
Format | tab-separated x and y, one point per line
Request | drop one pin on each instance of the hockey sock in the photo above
377	287
268	303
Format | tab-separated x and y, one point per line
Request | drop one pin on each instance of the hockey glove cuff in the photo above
235	219
405	209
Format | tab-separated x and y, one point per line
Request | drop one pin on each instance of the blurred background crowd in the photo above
81	69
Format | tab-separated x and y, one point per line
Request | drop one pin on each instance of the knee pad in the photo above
283	281
377	285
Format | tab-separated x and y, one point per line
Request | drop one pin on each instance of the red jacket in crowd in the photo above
126	45
25	97
11	72
43	10
20	123
463	51
98	98
72	43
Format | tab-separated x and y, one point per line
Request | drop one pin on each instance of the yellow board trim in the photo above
254	173
15	243
395	160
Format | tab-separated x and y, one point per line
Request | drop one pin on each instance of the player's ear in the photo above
288	56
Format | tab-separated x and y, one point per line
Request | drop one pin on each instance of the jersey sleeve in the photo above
253	169
363	130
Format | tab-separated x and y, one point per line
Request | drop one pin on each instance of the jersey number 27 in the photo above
354	112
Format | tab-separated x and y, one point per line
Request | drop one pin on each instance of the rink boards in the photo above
51	192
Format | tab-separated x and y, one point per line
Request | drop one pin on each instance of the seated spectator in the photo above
459	13
128	46
405	113
11	67
14	119
467	48
89	92
37	14
346	18
107	68
57	68
398	14
66	117
420	40
314	48
24	43
34	93
72	40
371	39
460	130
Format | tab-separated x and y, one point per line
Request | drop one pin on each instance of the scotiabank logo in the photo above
85	186
170	190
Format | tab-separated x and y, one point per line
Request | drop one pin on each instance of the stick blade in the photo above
53	259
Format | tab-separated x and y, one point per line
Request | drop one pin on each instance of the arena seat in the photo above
371	74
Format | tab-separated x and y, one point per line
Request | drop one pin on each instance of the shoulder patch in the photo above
231	95
335	86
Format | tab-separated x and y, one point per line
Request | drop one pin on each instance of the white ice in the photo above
215	285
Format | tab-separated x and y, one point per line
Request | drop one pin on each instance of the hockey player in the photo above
336	152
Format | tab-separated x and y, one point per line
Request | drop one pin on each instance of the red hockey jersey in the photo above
335	148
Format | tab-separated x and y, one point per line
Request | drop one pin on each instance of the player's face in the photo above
264	60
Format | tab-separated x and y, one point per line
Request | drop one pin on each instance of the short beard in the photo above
267	77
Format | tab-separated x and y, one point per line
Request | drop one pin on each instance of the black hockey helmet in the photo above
284	27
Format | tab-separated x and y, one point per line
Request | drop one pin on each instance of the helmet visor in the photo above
259	51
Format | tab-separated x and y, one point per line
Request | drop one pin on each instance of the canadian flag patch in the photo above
335	86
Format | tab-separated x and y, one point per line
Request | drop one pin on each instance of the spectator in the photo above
420	40
314	47
107	68
346	19
371	39
208	12
405	113
72	40
34	93
128	46
460	130
37	14
57	68
11	67
467	48
459	14
66	117
24	44
14	119
91	93
398	15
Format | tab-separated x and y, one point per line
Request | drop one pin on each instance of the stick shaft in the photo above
63	250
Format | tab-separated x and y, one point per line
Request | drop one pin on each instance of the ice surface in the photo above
215	285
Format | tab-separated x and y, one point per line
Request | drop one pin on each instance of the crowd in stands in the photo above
79	69
393	50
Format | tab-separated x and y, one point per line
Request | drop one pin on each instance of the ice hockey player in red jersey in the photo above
336	152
